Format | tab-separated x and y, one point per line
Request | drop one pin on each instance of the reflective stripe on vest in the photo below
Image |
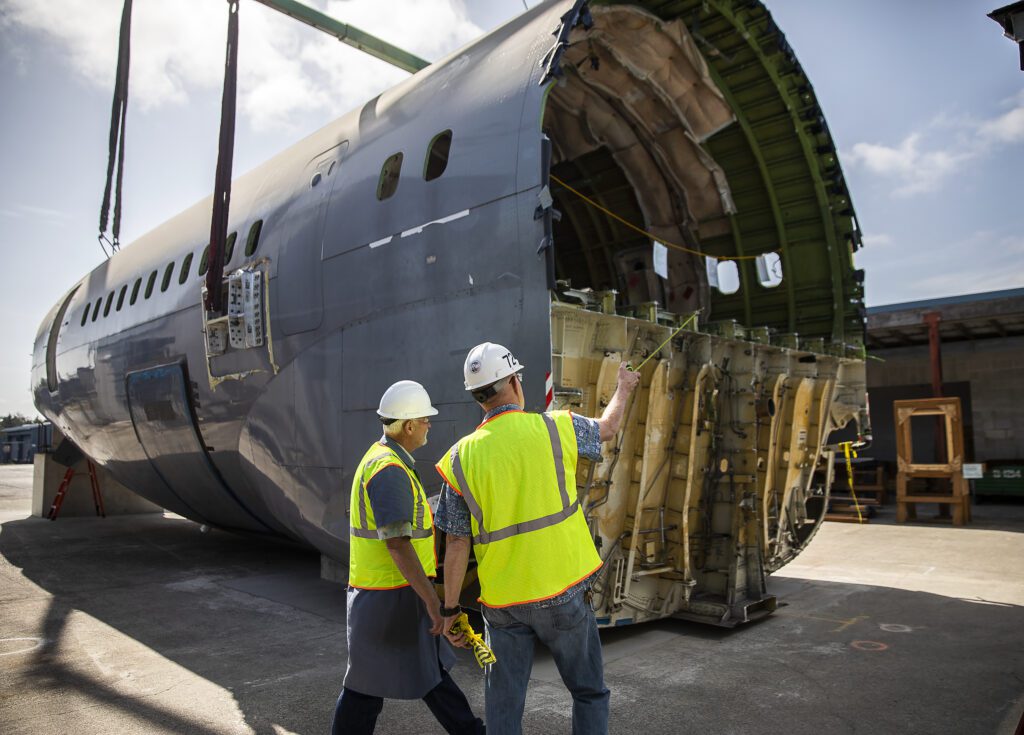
419	530
371	565
531	539
568	508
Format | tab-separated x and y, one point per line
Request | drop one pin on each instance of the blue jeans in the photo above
570	633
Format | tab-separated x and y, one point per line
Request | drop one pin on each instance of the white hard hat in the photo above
406	399
489	363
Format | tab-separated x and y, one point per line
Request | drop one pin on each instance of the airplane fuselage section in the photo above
387	244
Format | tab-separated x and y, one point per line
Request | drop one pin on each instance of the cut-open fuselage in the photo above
474	203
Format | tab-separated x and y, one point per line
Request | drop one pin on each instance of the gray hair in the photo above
394	428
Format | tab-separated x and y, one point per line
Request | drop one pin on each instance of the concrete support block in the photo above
117	499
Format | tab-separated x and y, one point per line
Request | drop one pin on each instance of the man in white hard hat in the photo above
394	623
510	490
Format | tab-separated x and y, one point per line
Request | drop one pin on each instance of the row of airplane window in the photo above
251	244
435	164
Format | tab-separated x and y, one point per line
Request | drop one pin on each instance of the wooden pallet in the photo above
870	484
843	508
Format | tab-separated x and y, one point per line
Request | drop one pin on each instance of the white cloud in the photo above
1008	128
1012	244
285	68
975	279
917	169
877	240
985	260
18	211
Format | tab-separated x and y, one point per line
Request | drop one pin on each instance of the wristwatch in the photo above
447	612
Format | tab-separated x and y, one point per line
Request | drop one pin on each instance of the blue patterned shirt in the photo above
453	516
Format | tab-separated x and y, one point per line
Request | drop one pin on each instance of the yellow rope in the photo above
849	450
666	243
681	328
481	652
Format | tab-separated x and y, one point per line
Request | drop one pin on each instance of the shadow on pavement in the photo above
261	640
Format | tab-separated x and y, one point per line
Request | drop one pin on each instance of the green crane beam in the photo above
348	34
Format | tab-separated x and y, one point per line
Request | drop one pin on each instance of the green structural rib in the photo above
784	174
348	34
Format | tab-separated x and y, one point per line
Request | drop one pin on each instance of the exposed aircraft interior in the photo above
627	122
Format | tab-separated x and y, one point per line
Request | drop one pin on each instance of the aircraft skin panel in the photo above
161	413
362	277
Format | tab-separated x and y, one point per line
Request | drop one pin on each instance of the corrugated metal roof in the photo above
991	315
963	299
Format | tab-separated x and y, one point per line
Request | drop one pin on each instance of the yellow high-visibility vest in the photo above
517	474
370	566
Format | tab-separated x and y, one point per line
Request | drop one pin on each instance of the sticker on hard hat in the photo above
474	367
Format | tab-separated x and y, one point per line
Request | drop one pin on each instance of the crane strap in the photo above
225	156
118	117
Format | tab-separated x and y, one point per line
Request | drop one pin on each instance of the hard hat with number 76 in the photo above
406	399
489	363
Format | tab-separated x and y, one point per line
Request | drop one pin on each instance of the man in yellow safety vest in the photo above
394	621
510	487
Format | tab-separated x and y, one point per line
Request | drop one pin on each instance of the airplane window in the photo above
120	296
168	271
253	241
229	247
728	277
185	265
96	308
388	183
204	261
769	270
149	284
437	156
85	314
135	292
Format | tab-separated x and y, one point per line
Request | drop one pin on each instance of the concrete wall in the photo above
994	371
117	499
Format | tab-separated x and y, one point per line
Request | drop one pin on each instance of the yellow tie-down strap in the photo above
481	652
849	451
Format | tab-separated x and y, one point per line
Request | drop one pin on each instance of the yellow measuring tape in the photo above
633	227
680	329
849	451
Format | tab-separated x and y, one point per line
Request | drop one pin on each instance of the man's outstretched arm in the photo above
611	419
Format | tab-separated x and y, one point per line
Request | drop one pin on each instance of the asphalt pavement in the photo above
145	624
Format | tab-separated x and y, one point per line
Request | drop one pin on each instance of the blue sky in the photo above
924	99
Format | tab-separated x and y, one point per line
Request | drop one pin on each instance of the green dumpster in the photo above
1001	480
